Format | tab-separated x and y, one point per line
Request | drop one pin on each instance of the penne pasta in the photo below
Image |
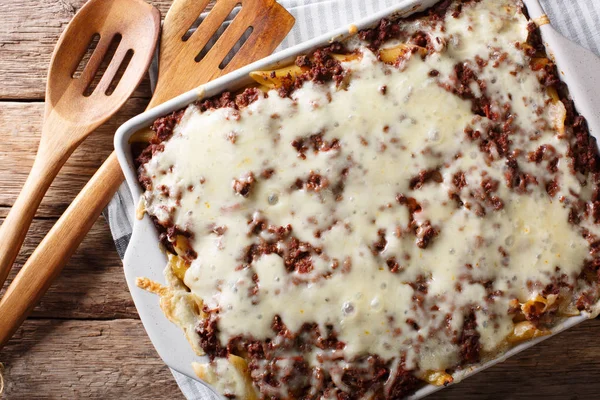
142	136
274	79
525	331
537	306
557	109
438	378
179	305
178	265
391	54
347	57
539	63
230	376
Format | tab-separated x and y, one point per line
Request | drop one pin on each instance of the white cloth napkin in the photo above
579	20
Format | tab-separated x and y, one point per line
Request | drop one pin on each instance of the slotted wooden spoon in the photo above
178	72
72	113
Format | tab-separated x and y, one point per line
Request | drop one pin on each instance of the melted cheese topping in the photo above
386	137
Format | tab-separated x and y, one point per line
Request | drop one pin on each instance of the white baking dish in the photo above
579	68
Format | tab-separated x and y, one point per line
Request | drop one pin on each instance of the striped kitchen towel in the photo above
578	20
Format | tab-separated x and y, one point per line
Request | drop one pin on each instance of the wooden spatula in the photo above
74	108
178	72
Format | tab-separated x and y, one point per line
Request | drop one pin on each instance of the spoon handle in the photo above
59	244
50	158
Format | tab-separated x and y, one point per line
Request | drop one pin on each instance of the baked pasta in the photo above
382	214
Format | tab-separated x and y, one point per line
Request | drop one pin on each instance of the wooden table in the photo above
85	339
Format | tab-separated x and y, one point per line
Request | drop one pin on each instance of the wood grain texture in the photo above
562	367
51	359
28	32
20	125
181	70
92	285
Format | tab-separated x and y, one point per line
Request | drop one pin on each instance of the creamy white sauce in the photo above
421	125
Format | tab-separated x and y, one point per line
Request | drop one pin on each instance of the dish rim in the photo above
144	258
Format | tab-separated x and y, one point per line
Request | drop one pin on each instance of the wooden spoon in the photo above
178	72
74	108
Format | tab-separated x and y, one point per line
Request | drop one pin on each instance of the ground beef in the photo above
224	100
486	194
424	177
256	250
545	152
386	30
393	265
496	140
243	186
459	182
319	67
420	284
410	202
516	179
552	187
584	150
469	340
163	130
316	143
489	185
269	368
285	378
163	127
460	86
439	11
374	376
169	233
209	337
316	182
298	256
401	385
534	39
230	100
143	178
267	173
248	96
425	234
379	245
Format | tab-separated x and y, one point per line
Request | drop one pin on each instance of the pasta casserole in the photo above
382	214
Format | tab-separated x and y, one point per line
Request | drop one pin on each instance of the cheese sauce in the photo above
390	279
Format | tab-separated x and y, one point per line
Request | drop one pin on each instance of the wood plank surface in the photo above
92	285
20	127
51	359
29	30
562	367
